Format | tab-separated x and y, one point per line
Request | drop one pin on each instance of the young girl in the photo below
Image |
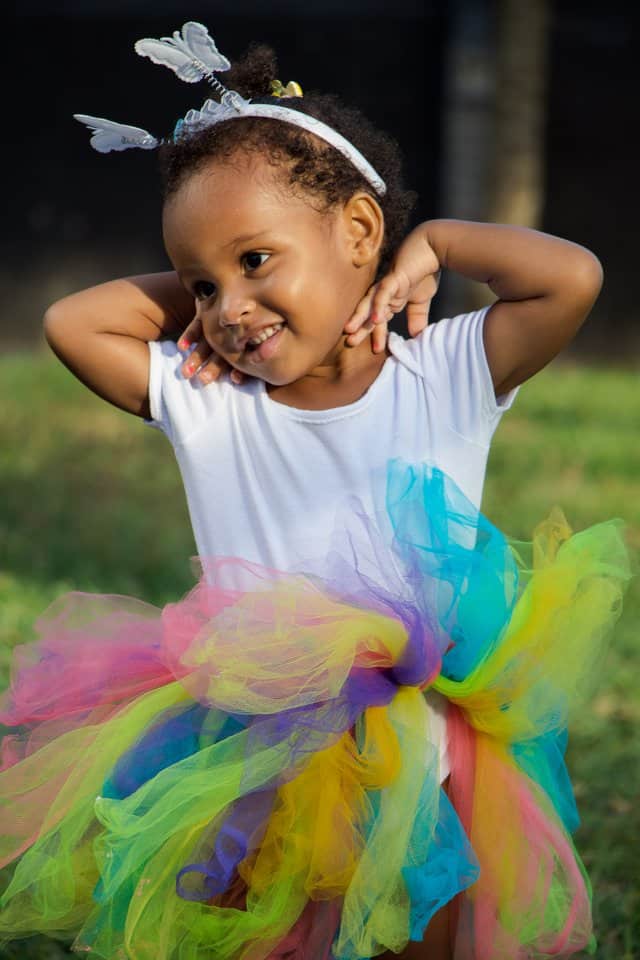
347	740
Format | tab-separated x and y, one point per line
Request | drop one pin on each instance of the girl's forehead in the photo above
225	190
227	202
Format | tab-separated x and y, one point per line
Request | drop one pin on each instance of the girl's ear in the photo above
363	221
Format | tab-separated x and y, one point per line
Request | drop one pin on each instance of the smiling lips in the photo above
267	346
258	337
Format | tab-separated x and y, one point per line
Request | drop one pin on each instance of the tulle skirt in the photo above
249	773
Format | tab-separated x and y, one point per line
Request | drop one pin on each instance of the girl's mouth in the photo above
265	350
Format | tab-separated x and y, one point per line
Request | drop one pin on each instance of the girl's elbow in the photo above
581	291
56	323
50	322
588	278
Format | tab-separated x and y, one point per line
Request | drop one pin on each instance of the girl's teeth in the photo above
265	334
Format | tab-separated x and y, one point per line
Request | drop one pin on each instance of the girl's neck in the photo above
333	385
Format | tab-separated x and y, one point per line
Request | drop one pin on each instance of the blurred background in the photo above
516	111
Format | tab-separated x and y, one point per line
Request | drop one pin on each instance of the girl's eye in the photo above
254	260
203	289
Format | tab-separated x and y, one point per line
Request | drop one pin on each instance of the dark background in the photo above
74	217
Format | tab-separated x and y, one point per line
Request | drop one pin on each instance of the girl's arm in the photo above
101	334
545	286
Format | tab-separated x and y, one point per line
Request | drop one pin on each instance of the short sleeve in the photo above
451	357
178	406
161	354
157	418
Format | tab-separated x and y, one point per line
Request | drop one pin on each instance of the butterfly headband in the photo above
193	56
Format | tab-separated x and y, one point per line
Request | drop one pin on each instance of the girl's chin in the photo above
272	374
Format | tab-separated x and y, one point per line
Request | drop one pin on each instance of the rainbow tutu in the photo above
248	773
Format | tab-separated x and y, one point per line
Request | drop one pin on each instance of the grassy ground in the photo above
90	499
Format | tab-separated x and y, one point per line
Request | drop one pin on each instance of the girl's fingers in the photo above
361	312
209	368
200	353
417	317
379	337
381	320
389	298
382	302
203	361
215	366
361	334
212	368
191	334
386	298
420	303
365	320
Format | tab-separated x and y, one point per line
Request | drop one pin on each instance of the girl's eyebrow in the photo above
244	237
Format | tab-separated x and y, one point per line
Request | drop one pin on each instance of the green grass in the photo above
90	499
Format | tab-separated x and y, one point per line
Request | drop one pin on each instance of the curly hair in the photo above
314	167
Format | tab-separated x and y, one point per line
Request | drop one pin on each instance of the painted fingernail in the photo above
183	344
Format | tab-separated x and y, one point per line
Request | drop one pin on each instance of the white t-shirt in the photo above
263	480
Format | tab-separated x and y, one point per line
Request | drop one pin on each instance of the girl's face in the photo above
254	257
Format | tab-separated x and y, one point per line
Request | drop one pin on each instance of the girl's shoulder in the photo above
450	358
179	405
444	346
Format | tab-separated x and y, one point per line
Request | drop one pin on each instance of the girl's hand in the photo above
411	282
203	362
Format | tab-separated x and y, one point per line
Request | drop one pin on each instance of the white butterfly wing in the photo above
197	39
168	54
109	135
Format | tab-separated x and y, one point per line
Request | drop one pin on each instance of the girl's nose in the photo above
233	309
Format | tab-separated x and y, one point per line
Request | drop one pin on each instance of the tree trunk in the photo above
469	87
495	116
521	73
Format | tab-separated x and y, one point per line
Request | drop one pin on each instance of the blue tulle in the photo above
543	760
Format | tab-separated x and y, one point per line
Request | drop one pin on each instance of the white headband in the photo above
193	56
